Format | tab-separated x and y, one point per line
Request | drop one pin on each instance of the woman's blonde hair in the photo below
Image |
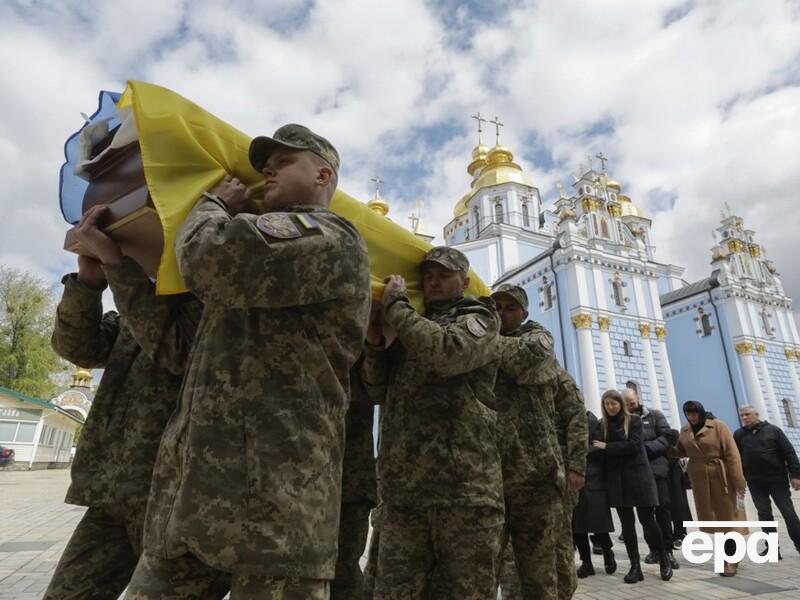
626	415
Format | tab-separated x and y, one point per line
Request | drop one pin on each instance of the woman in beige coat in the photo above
715	470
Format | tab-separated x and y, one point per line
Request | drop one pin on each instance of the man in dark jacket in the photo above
657	436
767	458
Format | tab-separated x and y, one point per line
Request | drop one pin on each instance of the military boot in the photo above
634	573
664	566
609	561
586	569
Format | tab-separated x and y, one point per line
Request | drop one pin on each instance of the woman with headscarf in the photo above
715	470
629	481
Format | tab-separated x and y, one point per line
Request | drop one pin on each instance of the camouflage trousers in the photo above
187	578
100	556
565	549
371	570
348	583
533	526
438	553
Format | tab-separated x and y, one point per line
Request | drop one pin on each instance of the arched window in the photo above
705	323
604	229
619	297
476	217
628	351
498	212
788	413
526	218
547	294
765	320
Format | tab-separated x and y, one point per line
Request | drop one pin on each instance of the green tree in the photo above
27	313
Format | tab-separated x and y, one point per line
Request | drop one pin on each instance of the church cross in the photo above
497	126
378	181
477	116
602	160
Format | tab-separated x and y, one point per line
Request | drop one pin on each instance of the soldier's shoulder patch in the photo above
545	339
278	225
307	221
476	327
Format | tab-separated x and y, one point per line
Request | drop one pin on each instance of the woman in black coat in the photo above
629	481
592	513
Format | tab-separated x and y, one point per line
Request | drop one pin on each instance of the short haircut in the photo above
748	406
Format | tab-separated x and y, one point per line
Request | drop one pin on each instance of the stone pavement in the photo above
36	524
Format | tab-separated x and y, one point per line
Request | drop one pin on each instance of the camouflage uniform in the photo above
533	471
248	477
359	491
573	438
439	467
371	569
113	465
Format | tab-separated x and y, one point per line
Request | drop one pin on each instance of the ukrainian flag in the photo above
186	151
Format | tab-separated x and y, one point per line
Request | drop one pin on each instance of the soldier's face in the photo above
291	178
439	283
511	313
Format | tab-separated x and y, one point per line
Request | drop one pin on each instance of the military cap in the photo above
449	258
516	292
292	136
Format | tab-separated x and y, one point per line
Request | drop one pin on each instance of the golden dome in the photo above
567	213
627	207
379	205
479	152
614	185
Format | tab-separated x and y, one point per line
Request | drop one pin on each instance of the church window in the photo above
627	350
526	218
619	298
594	222
546	292
476	216
765	319
705	324
788	413
604	229
498	212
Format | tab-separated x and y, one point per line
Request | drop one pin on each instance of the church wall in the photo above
781	379
531	281
479	260
629	368
699	369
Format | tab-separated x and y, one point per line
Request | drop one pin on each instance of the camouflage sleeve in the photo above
164	326
571	423
374	373
529	358
82	334
228	261
449	350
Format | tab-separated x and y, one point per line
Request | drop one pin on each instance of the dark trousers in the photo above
581	541
679	502
782	496
652	532
664	513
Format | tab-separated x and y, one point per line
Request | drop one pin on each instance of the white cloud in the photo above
696	100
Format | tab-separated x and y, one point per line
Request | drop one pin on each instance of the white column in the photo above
655	393
771	398
672	398
604	323
36	435
754	397
589	385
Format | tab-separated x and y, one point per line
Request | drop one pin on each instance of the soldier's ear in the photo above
524	314
466	283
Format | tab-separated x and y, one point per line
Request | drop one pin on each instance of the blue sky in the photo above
695	103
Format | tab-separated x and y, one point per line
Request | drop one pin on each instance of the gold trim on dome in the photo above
661	333
644	329
614	185
744	348
604	323
755	250
735	246
567	213
761	349
582	321
789	352
717	253
379	205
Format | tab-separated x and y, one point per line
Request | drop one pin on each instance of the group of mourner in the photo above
230	444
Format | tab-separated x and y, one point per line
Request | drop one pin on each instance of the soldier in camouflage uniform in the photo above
248	477
439	467
113	465
359	491
573	437
533	471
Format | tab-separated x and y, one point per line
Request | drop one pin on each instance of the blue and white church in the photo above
619	317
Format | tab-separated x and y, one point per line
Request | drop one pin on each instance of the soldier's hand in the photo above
394	283
90	272
575	481
233	193
94	241
375	327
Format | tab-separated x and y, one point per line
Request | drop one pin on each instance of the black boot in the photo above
651	558
673	562
664	566
585	569
609	561
597	550
635	572
766	549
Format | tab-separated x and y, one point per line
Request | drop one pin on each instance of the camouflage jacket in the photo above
358	473
248	477
438	441
119	442
526	409
573	433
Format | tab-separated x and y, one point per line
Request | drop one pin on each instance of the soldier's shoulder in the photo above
481	309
